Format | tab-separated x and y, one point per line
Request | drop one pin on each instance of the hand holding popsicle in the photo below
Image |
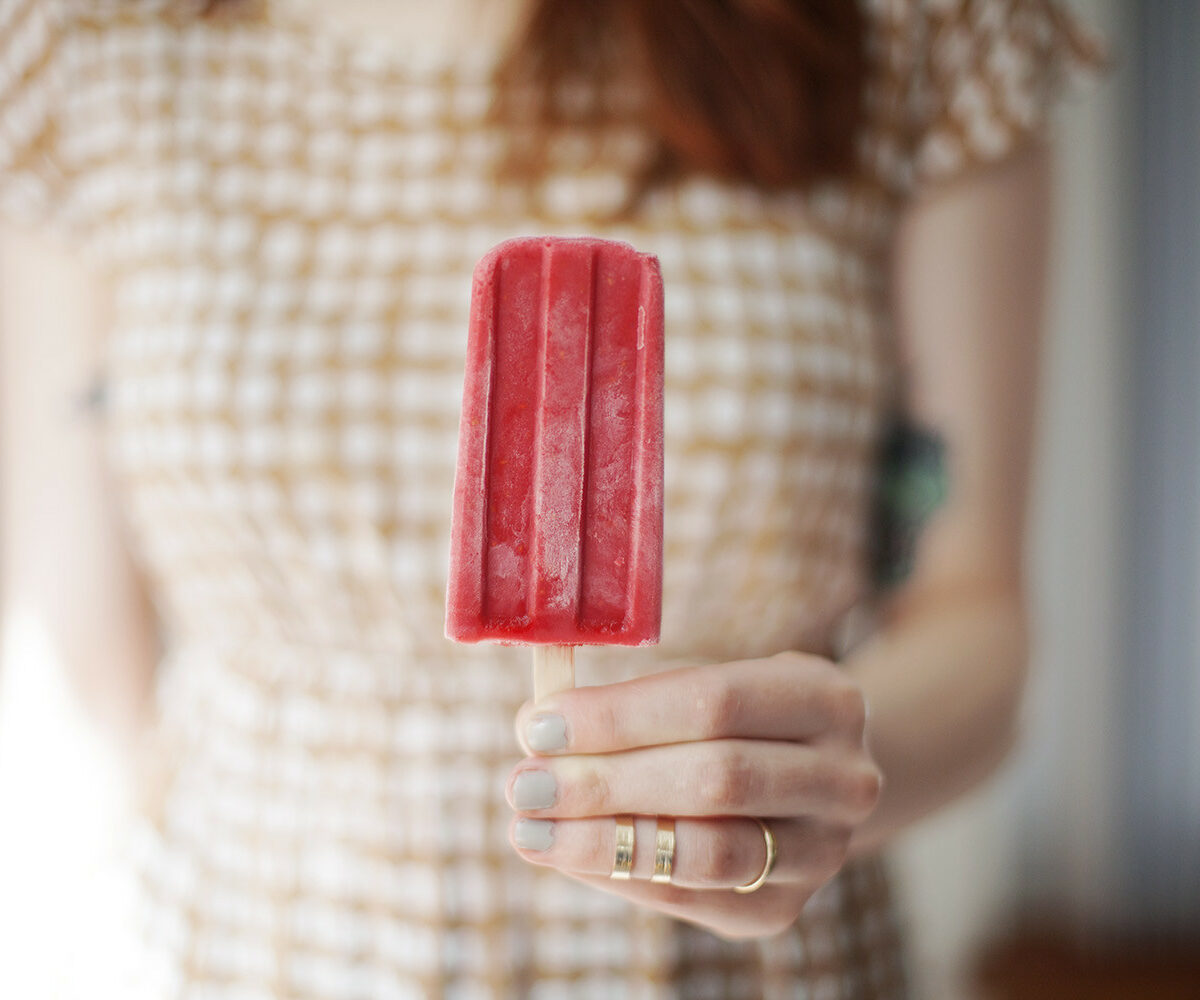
716	747
557	542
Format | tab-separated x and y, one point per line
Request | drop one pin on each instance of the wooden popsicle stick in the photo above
553	670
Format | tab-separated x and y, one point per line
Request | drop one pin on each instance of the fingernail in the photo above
534	790
533	834
546	732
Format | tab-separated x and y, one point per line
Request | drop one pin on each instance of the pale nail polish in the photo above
546	732
534	790
533	834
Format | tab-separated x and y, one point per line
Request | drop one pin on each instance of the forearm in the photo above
943	679
943	685
70	594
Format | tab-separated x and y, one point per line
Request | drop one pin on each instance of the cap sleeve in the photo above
33	179
985	78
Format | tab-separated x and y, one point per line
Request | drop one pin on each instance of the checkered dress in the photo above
291	220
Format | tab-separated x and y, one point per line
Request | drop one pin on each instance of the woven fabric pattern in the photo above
291	221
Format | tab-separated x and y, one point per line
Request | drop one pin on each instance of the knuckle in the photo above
721	863
717	707
864	787
726	781
824	779
848	707
605	723
598	855
592	791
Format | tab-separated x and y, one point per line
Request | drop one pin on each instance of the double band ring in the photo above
623	859
664	852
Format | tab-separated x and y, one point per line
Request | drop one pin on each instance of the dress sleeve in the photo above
985	77
33	177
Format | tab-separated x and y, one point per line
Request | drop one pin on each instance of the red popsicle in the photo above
557	524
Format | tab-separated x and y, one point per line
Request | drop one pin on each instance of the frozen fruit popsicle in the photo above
556	538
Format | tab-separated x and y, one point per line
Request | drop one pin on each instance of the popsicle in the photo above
556	533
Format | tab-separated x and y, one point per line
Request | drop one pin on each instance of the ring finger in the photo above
709	853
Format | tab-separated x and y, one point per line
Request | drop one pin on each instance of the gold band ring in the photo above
664	850
770	862
623	859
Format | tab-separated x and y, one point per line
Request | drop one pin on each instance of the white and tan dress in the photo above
291	220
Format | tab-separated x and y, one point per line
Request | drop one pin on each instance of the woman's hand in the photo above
781	739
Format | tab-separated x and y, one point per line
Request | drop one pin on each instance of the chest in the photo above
286	362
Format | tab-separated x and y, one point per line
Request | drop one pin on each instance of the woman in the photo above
281	204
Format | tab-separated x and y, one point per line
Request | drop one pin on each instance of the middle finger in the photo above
709	778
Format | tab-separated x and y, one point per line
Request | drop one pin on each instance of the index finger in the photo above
791	696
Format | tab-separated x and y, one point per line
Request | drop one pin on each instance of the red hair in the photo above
764	91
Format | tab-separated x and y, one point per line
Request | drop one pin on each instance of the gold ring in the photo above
770	863
664	850
623	859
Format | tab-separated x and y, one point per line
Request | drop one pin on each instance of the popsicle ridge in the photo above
561	443
646	518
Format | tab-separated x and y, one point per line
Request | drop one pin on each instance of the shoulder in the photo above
75	14
56	59
923	24
937	26
75	20
961	83
37	33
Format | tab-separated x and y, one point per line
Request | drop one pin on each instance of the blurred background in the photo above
1074	874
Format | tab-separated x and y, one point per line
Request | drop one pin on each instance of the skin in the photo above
786	737
64	565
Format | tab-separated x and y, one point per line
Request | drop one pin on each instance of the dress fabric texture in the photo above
290	219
